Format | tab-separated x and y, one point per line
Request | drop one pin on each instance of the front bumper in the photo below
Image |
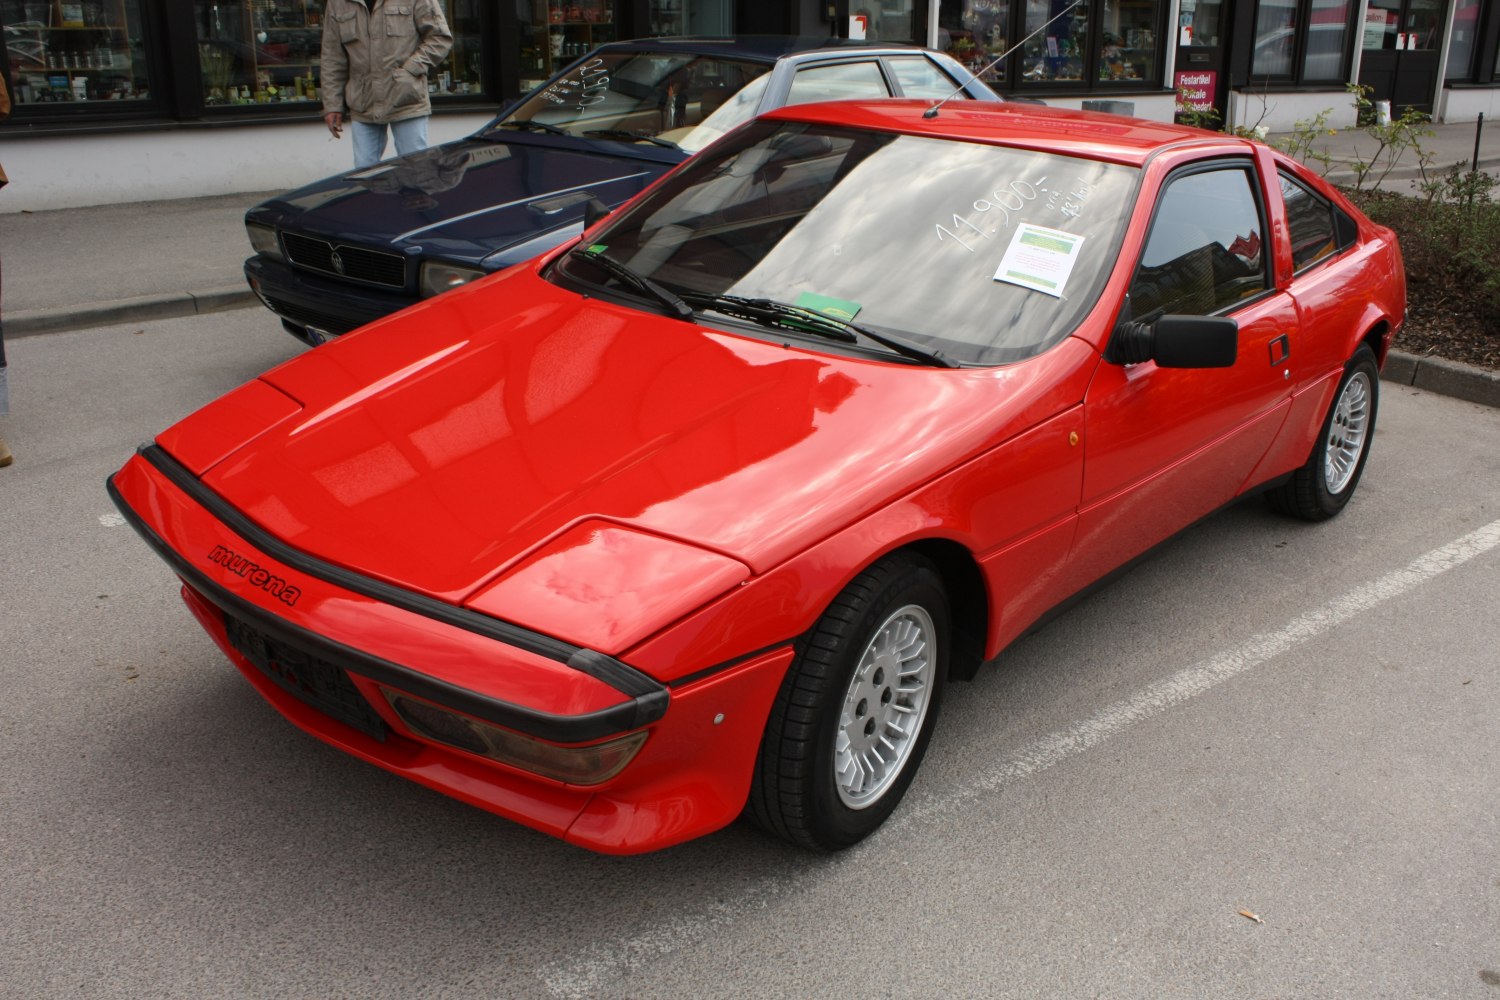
691	776
314	307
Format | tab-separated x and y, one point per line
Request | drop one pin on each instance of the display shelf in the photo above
260	51
560	33
72	51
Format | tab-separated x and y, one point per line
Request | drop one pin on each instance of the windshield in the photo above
984	253
680	98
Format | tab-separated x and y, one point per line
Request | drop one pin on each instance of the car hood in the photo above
468	199
441	447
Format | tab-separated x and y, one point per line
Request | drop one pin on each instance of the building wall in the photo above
1468	104
102	169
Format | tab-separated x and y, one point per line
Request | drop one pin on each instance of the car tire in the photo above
1322	487
846	734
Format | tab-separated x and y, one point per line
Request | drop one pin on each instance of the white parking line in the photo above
583	976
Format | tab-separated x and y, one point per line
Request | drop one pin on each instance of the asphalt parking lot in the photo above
1262	764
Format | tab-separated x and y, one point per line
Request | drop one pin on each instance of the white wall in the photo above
1468	105
76	170
1281	112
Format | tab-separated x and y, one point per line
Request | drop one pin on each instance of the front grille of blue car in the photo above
372	267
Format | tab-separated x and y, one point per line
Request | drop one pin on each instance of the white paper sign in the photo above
1040	259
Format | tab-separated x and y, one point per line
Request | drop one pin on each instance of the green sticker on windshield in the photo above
598	248
837	308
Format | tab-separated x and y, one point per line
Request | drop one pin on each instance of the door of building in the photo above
1401	43
1202	75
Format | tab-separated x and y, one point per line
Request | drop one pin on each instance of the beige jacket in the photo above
377	54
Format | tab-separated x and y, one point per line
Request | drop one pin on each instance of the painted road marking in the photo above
585	975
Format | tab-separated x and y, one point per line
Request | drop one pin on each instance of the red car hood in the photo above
438	447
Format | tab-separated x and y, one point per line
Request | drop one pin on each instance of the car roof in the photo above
1091	134
756	48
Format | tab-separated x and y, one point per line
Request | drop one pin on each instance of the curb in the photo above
132	310
1446	378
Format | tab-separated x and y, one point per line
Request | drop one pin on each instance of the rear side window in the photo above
918	77
839	82
1317	228
1206	251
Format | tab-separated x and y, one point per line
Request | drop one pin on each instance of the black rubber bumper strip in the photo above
647	698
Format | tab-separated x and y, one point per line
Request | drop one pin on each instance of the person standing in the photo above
5	455
376	57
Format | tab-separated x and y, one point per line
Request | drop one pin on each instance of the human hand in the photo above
335	122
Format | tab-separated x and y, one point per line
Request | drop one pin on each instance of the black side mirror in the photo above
593	211
1176	342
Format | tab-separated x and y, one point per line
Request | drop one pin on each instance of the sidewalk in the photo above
1448	145
81	267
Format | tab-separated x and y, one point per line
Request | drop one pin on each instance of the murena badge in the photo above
259	577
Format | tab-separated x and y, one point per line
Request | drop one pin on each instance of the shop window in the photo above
558	32
698	17
1465	40
1128	40
75	52
1327	40
1057	51
975	33
267	51
1275	38
890	20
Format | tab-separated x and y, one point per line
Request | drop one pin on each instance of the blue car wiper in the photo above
769	312
626	136
532	125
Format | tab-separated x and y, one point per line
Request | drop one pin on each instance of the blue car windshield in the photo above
988	254
677	98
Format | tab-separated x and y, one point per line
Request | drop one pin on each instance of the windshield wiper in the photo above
622	134
623	272
769	312
532	125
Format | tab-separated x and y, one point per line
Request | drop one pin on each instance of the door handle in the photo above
1280	349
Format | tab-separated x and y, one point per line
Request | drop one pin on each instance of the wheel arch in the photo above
968	600
1378	339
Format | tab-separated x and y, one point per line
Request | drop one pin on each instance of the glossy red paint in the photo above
663	507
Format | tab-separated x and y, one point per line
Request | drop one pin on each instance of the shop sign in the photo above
1196	90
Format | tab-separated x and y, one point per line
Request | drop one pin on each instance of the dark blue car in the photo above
347	250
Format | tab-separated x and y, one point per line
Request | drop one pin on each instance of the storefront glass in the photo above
1327	38
1382	25
1128	44
556	32
691	17
267	51
890	20
1056	52
1200	22
1275	38
1465	40
974	33
75	52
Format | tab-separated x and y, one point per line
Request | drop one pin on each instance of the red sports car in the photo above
698	516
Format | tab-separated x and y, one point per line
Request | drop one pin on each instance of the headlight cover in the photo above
436	277
263	240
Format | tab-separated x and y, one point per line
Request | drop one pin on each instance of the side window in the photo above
1312	223
1205	251
839	82
918	77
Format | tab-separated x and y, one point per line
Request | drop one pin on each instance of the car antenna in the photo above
933	111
